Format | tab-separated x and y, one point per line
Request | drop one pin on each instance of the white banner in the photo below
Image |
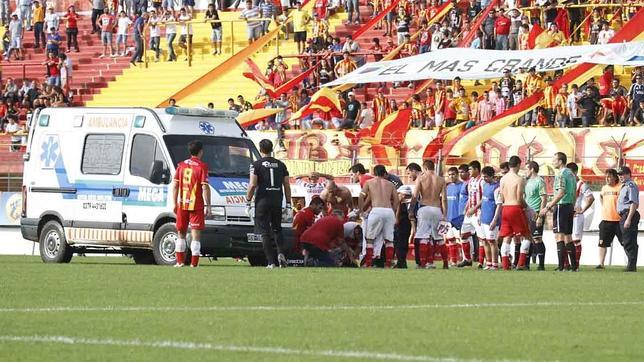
484	64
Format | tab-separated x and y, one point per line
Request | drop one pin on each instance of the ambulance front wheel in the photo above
53	244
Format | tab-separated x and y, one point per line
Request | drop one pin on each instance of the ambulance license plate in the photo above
254	238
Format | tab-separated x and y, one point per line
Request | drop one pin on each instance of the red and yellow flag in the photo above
253	116
324	100
539	38
256	75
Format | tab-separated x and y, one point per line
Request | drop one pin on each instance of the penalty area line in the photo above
307	308
197	346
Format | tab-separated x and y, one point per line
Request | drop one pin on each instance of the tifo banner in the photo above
485	64
10	208
594	149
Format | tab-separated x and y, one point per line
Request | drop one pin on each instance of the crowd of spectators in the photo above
447	103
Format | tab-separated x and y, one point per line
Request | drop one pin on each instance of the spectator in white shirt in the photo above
185	40
12	129
571	102
366	116
170	33
155	34
122	30
605	35
52	20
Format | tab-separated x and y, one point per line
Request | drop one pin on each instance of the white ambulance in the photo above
100	180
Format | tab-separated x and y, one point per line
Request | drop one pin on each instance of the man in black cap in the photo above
629	217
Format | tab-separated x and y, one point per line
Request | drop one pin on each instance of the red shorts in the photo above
513	221
194	219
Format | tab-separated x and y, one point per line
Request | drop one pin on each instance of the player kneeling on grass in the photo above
490	217
513	219
430	190
323	236
305	218
192	196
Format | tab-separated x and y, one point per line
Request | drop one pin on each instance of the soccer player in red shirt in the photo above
192	197
324	235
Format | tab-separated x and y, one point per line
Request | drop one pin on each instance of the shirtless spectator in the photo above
337	197
430	191
513	218
384	202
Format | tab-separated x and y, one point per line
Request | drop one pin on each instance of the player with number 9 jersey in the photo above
191	176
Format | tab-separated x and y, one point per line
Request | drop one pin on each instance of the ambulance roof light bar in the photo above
200	112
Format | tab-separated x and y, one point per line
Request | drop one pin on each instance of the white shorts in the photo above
428	218
577	227
453	233
471	225
489	234
377	243
381	223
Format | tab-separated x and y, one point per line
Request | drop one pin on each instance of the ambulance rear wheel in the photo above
53	244
163	245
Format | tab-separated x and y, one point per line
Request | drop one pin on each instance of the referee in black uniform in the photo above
629	217
269	177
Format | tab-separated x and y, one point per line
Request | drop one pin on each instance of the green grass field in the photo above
110	309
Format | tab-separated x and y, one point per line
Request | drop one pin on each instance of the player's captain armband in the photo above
362	193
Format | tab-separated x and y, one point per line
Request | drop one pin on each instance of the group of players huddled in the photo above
473	214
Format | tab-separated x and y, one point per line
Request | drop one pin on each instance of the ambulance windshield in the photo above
226	157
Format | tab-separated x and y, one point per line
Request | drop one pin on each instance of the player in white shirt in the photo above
312	185
583	201
471	223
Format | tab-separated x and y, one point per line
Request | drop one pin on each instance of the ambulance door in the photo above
147	176
97	192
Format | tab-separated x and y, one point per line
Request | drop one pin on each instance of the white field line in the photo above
227	348
307	308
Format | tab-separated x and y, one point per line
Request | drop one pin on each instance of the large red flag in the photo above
563	22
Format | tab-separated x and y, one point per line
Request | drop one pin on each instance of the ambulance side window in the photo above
147	160
103	154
